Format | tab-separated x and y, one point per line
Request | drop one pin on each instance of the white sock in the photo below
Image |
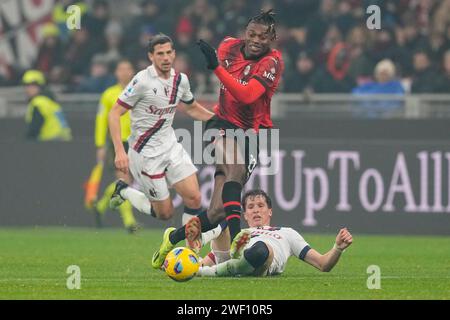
221	256
186	217
207	271
137	199
212	234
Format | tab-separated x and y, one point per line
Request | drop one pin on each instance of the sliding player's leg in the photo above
193	229
220	248
255	261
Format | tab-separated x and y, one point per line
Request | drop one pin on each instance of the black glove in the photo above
209	53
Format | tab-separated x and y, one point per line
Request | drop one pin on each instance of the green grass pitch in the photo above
115	265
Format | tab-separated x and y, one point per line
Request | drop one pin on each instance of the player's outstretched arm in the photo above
244	93
121	160
198	112
327	261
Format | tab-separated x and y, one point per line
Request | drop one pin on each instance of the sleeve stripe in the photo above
260	80
124	104
303	253
188	102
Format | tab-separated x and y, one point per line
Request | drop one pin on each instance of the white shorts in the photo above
156	175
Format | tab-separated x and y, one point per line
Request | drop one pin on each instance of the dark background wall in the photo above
395	178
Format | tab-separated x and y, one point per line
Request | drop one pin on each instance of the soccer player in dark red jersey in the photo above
249	71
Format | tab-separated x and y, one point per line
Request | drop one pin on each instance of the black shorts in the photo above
251	154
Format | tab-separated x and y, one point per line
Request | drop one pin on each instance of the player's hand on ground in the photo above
210	54
344	239
121	162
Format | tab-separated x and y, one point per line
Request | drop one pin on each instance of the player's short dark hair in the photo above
255	193
160	38
266	18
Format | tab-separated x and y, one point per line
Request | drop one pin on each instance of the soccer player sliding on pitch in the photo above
263	250
250	71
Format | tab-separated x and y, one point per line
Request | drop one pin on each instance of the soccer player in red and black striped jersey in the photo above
249	71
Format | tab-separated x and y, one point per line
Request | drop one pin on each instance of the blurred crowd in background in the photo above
326	44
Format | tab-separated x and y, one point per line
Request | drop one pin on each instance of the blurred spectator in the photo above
424	76
50	52
152	16
385	83
185	41
96	21
315	26
237	13
334	77
44	116
444	81
99	78
300	79
385	80
78	53
441	18
361	65
294	13
181	64
114	39
332	37
203	14
437	45
319	22
137	52
297	43
383	46
345	19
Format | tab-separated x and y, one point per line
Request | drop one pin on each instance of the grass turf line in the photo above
115	265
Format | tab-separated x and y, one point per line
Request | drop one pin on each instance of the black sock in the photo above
180	234
206	224
193	212
231	197
188	213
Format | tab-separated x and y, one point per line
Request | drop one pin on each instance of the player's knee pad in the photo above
257	254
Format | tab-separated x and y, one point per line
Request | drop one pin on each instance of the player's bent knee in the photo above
164	215
163	210
193	201
257	254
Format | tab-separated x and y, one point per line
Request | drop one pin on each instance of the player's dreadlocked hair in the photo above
266	18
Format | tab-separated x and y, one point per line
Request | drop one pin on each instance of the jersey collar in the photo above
152	71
